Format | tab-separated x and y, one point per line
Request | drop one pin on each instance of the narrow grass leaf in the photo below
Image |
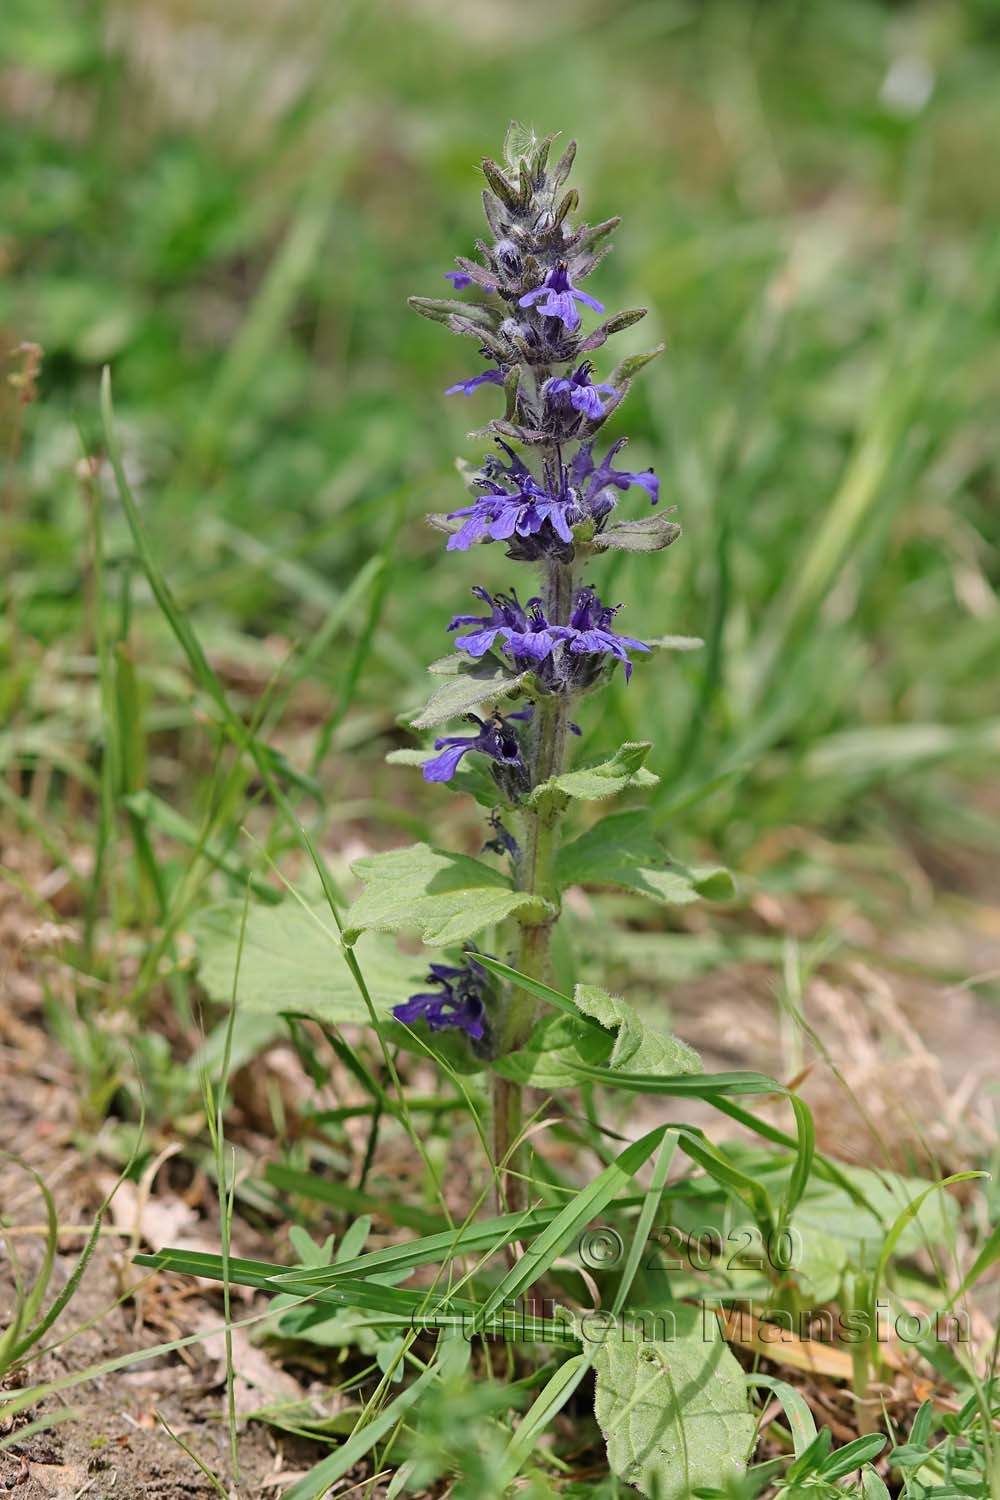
801	1423
585	1206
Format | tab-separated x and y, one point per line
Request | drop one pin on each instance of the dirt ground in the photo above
117	1445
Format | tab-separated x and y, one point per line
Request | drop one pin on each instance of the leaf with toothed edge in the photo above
625	768
473	684
622	850
553	1053
638	1048
448	898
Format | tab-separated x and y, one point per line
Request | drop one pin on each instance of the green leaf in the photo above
546	1248
544	1409
560	1051
611	325
625	768
550	1058
872	1486
447	897
488	1235
798	1415
989	1253
292	961
467	688
831	1229
851	1456
909	1216
676	643
628	368
836	1233
638	1048
622	850
650	534
444	309
673	1413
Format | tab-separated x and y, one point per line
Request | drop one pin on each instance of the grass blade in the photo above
556	1236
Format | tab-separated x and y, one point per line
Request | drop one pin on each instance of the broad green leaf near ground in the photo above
831	1231
446	897
292	961
673	1411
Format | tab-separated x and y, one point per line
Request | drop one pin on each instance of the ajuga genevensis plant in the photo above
671	1400
555	495
551	493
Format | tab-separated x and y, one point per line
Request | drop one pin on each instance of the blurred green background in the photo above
229	205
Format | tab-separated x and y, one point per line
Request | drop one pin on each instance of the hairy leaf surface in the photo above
673	1411
592	783
446	897
468	688
292	961
622	850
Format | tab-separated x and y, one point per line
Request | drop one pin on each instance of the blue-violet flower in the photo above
584	395
499	514
466	387
459	1003
495	738
590	479
461	279
590	624
561	297
531	643
525	634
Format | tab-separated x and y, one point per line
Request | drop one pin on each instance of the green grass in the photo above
823	270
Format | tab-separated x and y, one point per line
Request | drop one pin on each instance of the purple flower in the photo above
592	480
501	513
560	298
458	1002
565	658
466	387
495	739
583	394
525	634
591	632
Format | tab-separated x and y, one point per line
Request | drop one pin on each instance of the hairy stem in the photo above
536	874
